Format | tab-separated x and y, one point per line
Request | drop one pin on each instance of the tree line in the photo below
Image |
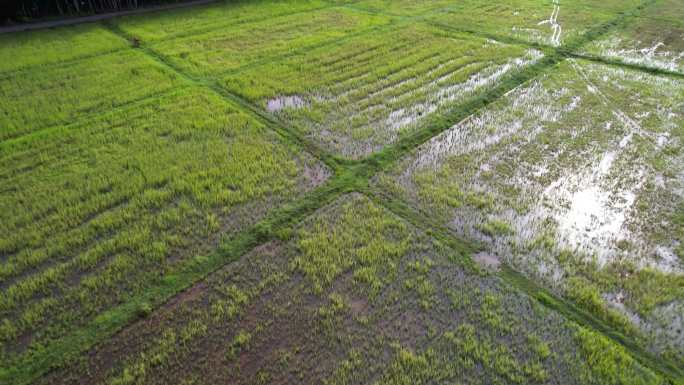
24	10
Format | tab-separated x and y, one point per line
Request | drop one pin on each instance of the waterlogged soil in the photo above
486	260
264	319
551	22
657	52
576	179
285	102
654	39
361	95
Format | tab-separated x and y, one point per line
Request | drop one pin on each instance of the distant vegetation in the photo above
24	10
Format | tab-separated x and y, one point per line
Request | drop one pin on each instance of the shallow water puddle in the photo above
596	212
404	117
475	132
285	102
487	260
635	53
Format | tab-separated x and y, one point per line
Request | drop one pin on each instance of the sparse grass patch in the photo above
399	342
368	245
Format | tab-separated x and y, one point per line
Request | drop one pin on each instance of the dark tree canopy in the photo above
22	10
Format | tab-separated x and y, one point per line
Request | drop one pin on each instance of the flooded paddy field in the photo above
354	295
346	192
552	22
576	179
364	93
655	39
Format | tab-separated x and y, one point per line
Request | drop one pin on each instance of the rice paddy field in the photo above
346	192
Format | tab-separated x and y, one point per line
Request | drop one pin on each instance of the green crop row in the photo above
62	94
215	52
46	47
139	191
220	15
364	93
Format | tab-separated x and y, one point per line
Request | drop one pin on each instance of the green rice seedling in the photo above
38	48
220	15
41	99
215	52
141	191
240	342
